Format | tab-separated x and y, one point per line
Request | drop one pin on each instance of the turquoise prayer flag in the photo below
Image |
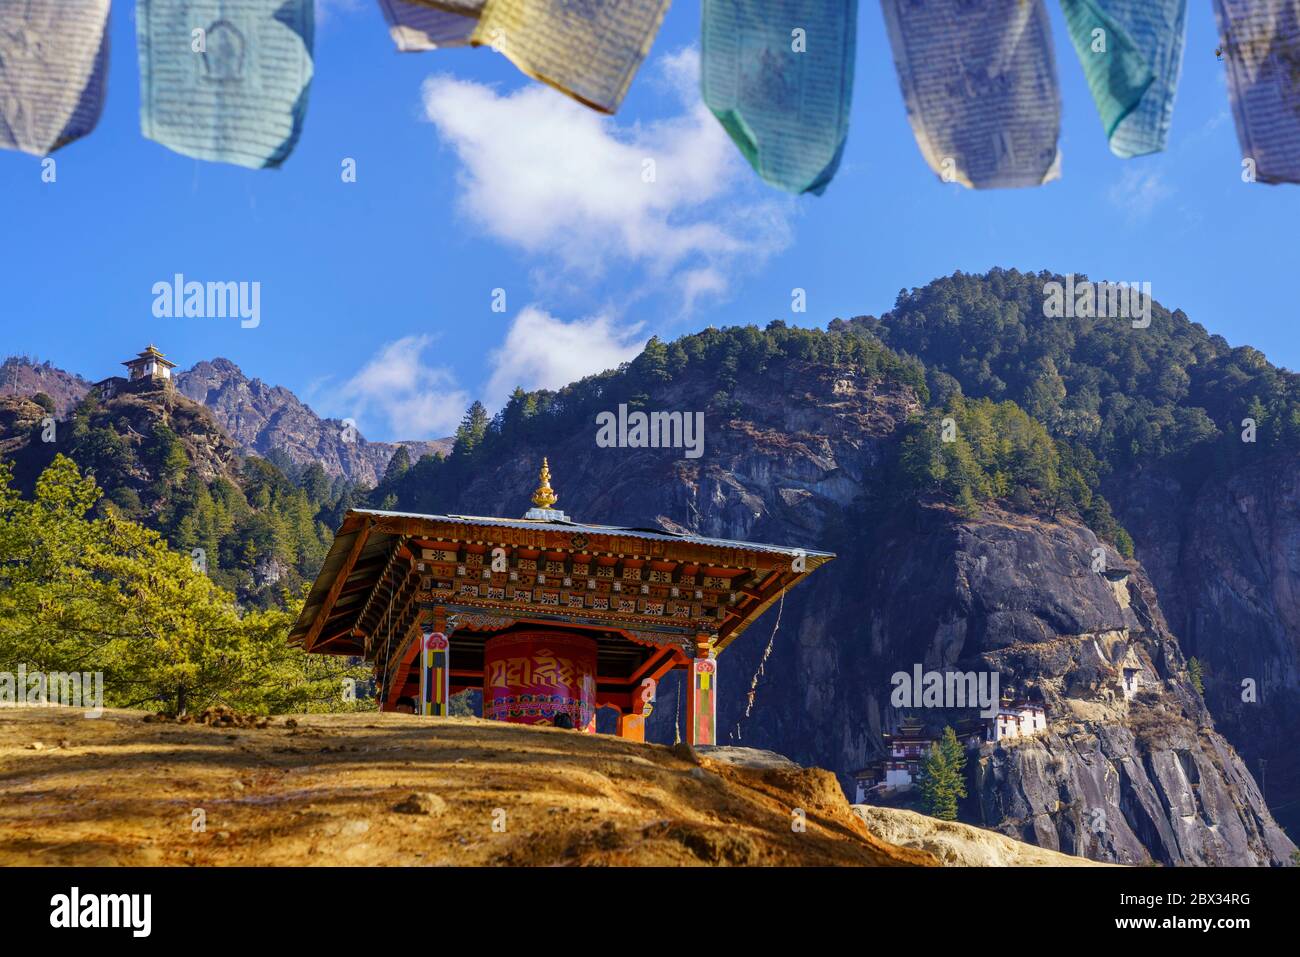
778	75
225	80
1132	56
1260	44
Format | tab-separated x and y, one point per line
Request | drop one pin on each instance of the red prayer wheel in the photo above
541	677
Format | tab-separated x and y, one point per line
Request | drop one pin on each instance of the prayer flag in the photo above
417	26
979	83
225	80
53	66
1261	46
589	49
1132	56
778	75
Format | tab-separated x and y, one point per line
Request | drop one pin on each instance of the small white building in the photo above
150	364
1017	719
1132	675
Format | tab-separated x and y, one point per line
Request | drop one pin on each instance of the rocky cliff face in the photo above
262	418
1115	779
1225	558
22	377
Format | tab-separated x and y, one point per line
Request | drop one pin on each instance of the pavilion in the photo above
551	618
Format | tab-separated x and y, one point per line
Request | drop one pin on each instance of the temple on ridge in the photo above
551	618
149	364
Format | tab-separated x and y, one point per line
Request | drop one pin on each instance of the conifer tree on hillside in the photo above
82	593
942	780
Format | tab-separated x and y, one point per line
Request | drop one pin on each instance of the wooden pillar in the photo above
435	667
702	696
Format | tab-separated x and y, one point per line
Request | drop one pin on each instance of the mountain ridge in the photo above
264	420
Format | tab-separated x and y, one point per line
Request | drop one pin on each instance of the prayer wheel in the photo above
541	676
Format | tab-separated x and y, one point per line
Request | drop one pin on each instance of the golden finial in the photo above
545	496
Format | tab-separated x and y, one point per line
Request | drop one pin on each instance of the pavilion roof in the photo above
337	618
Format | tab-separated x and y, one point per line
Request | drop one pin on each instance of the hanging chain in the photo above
761	671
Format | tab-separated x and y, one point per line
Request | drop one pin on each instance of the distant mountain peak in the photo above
263	419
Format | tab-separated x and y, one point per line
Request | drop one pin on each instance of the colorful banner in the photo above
1261	46
225	80
435	674
418	26
778	75
1132	56
979	84
589	49
53	66
702	711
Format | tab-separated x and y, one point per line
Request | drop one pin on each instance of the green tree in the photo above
473	427
1196	673
942	781
103	594
398	465
165	454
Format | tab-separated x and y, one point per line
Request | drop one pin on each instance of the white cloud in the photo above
566	184
1138	192
543	352
327	10
414	400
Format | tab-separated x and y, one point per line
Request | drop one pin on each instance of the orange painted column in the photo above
631	727
632	724
702	702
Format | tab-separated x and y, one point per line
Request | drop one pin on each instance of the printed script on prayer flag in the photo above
243	98
589	49
781	95
53	65
979	83
1135	77
1261	46
1116	71
417	26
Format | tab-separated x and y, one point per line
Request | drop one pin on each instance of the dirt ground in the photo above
386	789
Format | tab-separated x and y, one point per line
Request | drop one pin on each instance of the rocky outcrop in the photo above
263	419
23	377
956	844
20	424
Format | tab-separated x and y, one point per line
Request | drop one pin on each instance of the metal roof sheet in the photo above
583	527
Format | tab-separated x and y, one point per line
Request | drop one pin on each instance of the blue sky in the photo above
377	295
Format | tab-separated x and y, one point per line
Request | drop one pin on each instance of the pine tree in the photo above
398	465
942	781
469	435
106	595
